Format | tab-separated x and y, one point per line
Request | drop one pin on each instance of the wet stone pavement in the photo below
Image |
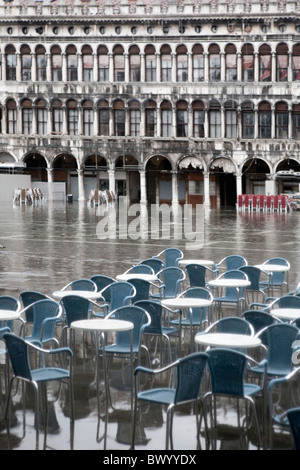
46	246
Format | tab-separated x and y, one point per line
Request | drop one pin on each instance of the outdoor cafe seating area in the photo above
181	333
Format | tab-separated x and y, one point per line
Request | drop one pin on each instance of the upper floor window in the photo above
87	64
26	63
56	64
230	120
166	119
166	64
248	121
282	62
134	64
198	119
11	63
214	63
103	64
198	64
265	64
88	118
27	117
296	62
119	64
11	116
247	63
231	63
41	64
265	120
41	117
150	118
281	120
72	113
103	118
119	118
215	120
134	118
182	64
182	119
72	65
57	117
296	121
150	64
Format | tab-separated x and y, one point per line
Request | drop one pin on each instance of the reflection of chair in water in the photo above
18	351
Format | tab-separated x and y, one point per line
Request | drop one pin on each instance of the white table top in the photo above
185	302
273	268
286	313
229	282
102	324
227	340
127	277
92	295
205	262
6	315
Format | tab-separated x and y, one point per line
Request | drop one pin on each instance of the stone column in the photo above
174	187
206	188
238	185
81	192
111	177
50	183
143	187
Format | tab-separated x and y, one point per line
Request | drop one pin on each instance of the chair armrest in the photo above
147	370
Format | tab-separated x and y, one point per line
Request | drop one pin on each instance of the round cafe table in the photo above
128	276
271	269
227	340
186	303
287	314
7	315
228	282
103	326
91	295
206	262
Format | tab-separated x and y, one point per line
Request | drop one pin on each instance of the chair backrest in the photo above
231	292
227	369
18	354
280	338
121	294
253	274
234	262
277	277
101	282
155	263
141	269
76	308
142	288
259	320
43	309
29	298
190	371
83	284
293	416
196	274
140	319
8	302
171	278
199	313
287	301
234	325
172	256
155	310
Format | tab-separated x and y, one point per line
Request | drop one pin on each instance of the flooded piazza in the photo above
46	246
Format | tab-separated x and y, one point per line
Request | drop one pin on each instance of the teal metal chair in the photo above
29	298
197	273
171	281
46	314
188	372
101	282
232	295
154	263
81	284
140	269
227	375
293	416
231	262
120	295
280	280
171	256
256	289
75	308
19	353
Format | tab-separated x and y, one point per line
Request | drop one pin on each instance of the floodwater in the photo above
45	246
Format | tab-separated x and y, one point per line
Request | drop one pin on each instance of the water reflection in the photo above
47	246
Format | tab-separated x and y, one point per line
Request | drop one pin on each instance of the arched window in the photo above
41	117
87	64
11	63
72	64
119	64
282	62
134	64
182	118
26	62
150	64
57	117
198	63
56	64
230	63
103	64
103	117
248	120
198	119
26	117
150	118
296	62
134	118
166	118
88	117
247	63
182	64
296	121
11	116
265	63
119	118
265	120
72	113
281	120
41	64
166	63
230	120
214	119
214	63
